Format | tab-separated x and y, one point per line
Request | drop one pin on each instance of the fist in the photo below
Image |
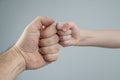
68	33
38	46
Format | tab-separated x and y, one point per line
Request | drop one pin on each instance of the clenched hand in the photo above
39	43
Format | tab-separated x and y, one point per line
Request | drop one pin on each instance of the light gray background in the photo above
75	63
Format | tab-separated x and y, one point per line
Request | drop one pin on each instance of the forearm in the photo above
11	64
100	38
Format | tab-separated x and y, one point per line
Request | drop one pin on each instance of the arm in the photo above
70	35
37	47
11	64
100	38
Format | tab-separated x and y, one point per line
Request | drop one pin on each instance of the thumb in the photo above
38	22
46	21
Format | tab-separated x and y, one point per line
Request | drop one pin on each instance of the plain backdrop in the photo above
75	63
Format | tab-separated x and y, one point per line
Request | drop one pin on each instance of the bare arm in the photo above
71	35
11	64
100	38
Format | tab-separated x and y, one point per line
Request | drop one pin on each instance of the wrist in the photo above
19	57
86	38
16	64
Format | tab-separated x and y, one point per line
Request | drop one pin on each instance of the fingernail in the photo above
42	28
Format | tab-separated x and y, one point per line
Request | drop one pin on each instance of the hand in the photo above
68	33
38	47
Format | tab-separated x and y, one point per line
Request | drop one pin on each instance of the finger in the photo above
62	33
49	41
64	26
72	26
59	25
49	31
65	38
68	25
51	57
50	49
65	43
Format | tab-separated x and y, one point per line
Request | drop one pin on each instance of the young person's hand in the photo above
69	33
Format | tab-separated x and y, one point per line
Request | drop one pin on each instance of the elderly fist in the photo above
39	43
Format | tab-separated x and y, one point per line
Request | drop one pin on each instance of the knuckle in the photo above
54	48
51	57
44	50
63	44
64	38
69	36
56	38
71	23
42	42
64	33
60	33
49	41
69	32
50	50
39	17
66	42
61	38
59	25
49	31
